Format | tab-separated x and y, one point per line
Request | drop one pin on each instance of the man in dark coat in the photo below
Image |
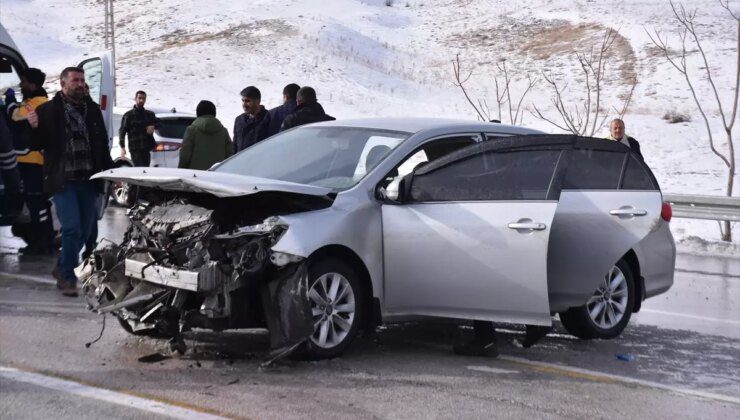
278	114
11	200
71	132
139	124
308	111
253	125
617	133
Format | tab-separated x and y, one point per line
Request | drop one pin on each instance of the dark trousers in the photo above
141	157
40	230
76	211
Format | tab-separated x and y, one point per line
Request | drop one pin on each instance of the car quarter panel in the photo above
656	254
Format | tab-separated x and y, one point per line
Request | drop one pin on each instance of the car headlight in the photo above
267	225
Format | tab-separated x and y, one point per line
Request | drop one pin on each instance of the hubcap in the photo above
333	309
609	303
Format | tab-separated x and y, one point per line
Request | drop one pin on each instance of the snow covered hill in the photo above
366	58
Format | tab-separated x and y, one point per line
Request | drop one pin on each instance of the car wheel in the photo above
609	309
338	307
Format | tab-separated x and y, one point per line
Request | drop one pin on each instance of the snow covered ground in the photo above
369	59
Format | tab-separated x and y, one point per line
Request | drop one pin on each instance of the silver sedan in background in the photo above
328	228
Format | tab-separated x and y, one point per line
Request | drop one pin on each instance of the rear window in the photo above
594	170
173	128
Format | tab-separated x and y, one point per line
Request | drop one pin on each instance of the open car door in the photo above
470	239
99	75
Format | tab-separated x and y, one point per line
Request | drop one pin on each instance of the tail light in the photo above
666	212
166	146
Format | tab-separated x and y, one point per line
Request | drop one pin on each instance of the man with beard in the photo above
39	232
139	124
253	125
71	132
308	111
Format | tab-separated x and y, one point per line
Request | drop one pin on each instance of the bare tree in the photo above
587	117
503	93
677	59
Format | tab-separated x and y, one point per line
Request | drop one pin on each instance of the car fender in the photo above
350	223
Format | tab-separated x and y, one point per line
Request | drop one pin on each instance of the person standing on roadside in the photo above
206	140
39	232
71	132
139	124
278	114
308	110
253	125
617	133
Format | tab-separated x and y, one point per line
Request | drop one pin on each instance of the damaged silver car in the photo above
329	228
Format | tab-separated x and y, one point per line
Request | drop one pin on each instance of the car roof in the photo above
415	125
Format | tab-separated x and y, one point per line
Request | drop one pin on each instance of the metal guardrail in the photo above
708	207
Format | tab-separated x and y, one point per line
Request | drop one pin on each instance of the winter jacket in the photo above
51	137
10	181
633	144
306	114
278	114
250	130
206	142
22	130
134	123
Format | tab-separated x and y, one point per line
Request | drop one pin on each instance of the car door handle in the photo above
628	212
527	226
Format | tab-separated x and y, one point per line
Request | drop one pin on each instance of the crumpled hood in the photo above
220	184
207	124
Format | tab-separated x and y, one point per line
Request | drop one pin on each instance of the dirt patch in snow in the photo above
543	40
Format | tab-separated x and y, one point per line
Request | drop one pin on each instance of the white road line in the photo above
623	379
102	394
26	277
699	317
489	369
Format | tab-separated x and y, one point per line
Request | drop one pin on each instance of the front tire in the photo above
338	306
609	309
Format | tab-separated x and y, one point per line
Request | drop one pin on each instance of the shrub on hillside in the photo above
675	117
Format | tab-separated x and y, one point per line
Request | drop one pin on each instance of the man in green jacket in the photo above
206	140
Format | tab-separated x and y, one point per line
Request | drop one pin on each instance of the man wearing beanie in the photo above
206	140
39	232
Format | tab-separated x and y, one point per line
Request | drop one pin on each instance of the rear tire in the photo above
608	311
338	306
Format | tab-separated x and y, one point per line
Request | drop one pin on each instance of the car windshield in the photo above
333	157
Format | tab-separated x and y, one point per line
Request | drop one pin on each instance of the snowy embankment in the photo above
368	59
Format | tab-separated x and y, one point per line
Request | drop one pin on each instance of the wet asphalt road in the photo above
685	347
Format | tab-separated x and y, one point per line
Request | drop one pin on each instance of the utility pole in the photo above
110	41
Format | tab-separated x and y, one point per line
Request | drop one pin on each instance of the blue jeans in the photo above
77	214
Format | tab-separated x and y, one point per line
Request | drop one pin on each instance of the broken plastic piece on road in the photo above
625	357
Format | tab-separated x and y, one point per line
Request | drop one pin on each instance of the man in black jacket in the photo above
617	133
139	124
278	114
253	125
71	132
308	111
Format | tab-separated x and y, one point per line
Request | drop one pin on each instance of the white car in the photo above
168	136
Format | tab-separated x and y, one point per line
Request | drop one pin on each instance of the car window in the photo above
491	175
173	128
94	77
9	78
593	170
635	177
434	150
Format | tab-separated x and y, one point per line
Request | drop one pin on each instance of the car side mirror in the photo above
396	191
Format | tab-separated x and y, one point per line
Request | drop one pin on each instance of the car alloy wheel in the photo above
607	306
333	309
